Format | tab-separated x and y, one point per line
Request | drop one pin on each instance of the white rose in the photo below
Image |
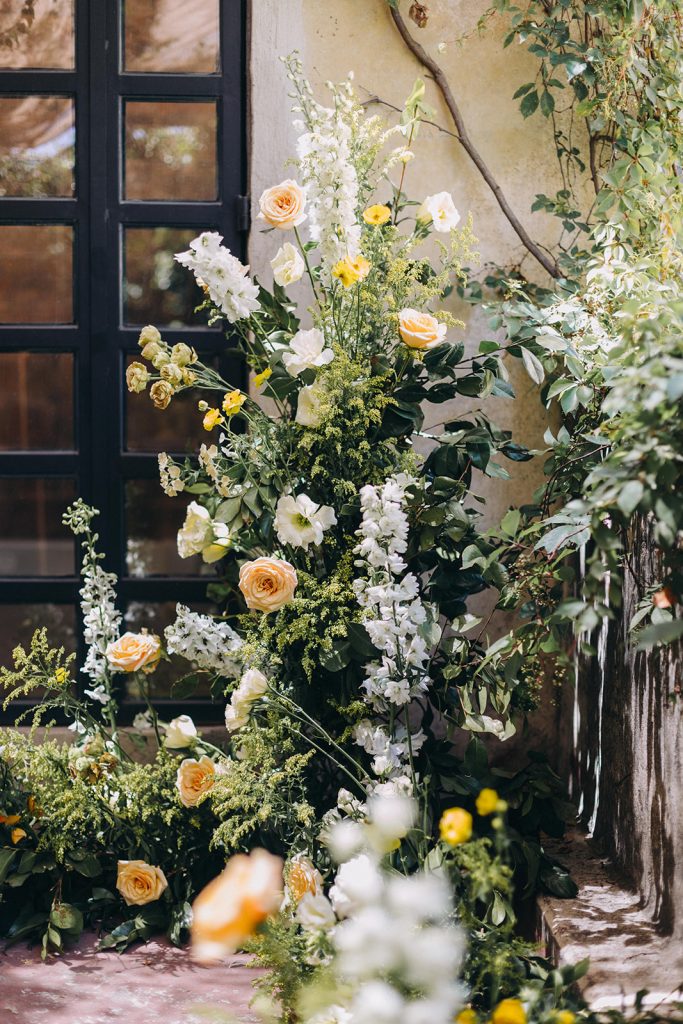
315	913
300	522
309	413
306	352
288	265
440	210
180	732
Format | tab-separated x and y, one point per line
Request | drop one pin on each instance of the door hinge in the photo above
243	212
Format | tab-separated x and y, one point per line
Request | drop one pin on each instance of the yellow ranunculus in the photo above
233	402
376	215
466	1016
212	418
488	801
509	1011
455	826
262	377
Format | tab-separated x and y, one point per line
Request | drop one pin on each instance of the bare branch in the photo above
546	261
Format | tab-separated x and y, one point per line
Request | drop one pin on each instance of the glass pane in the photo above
36	274
33	541
173	35
152	524
170	150
36	401
155	618
45	40
20	621
156	289
37	136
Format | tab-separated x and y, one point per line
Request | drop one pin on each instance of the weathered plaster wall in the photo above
625	759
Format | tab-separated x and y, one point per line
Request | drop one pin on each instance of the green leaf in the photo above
67	918
529	104
547	103
6	858
660	633
533	366
630	496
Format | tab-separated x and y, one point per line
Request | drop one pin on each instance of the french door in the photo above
121	137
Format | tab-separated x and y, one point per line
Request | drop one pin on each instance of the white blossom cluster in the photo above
396	952
101	624
169	476
226	279
329	177
213	646
390	753
395	617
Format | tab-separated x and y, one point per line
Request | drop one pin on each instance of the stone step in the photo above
607	924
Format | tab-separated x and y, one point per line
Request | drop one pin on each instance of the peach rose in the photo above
303	877
282	206
420	330
194	778
267	583
134	651
231	907
139	882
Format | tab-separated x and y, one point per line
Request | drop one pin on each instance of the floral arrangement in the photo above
352	536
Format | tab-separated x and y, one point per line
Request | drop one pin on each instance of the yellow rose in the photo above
376	215
262	377
134	651
212	418
267	583
161	394
137	377
149	334
509	1011
231	907
420	330
233	402
282	206
302	877
455	826
194	779
139	882
488	801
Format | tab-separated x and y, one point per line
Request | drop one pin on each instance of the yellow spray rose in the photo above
139	883
282	206
420	330
376	215
509	1011
231	907
267	583
194	779
161	393
134	651
137	377
455	826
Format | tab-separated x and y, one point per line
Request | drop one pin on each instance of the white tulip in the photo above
180	732
288	265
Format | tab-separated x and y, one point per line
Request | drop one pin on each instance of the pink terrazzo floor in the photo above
150	984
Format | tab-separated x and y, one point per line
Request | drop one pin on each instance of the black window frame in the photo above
98	339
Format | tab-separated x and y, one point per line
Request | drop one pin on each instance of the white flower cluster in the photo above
222	274
395	617
169	476
330	179
213	646
101	624
397	954
390	753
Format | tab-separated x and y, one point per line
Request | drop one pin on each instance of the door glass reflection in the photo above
36	271
152	524
171	35
36	401
170	151
37	137
33	541
156	289
44	40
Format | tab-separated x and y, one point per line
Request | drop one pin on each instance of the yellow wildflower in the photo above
262	377
455	826
212	418
488	801
17	834
376	215
61	675
233	402
349	271
466	1016
564	1017
509	1011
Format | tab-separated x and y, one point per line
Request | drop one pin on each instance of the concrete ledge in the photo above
606	923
